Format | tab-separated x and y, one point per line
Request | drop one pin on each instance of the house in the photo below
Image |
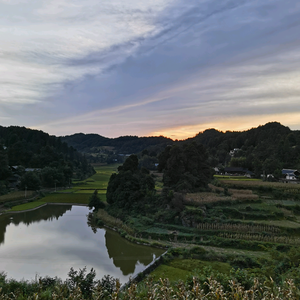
290	174
217	170
33	169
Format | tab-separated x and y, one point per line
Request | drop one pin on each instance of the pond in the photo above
52	239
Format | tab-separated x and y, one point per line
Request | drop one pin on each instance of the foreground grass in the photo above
27	206
109	288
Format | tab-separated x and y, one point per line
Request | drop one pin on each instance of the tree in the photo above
31	181
4	169
185	168
95	201
52	177
130	164
130	186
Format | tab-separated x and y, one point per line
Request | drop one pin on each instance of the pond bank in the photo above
42	205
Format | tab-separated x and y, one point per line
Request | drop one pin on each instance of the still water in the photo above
52	239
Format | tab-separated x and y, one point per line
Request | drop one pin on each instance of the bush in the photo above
83	280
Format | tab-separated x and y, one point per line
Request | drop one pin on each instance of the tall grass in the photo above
112	221
210	289
287	187
17	196
207	197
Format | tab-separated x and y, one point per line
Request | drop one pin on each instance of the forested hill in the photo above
109	148
268	148
26	148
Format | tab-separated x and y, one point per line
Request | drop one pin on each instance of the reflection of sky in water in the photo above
52	247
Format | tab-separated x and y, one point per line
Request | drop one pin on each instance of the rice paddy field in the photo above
67	198
98	181
239	178
78	194
82	190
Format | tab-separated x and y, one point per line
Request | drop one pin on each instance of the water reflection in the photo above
53	212
52	239
126	255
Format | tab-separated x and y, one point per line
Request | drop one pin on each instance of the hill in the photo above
267	148
52	161
102	149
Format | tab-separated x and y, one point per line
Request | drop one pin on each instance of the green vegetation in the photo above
80	193
67	198
267	148
227	220
131	187
182	268
239	178
185	168
31	159
99	149
232	229
27	206
83	285
13	196
95	202
97	181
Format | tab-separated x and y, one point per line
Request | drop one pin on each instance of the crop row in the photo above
197	199
257	184
261	237
238	227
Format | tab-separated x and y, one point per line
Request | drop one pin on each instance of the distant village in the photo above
288	175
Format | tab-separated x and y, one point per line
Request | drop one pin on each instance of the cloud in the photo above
120	68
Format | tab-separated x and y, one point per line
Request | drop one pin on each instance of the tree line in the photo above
52	162
266	149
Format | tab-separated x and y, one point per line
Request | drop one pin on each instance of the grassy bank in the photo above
27	206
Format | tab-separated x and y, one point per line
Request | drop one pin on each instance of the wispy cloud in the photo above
135	67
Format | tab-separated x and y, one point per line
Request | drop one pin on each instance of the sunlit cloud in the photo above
165	67
235	124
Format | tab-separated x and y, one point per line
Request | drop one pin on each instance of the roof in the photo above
290	172
32	169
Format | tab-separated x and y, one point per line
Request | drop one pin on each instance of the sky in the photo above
159	67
